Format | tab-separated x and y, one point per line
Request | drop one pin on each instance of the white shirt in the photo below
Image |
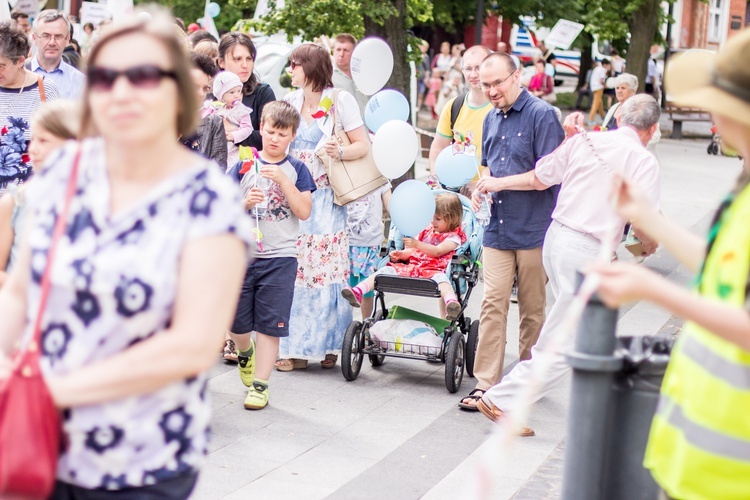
598	76
584	200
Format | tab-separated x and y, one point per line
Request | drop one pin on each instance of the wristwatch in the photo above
341	152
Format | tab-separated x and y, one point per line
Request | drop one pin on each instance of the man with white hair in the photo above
583	220
51	35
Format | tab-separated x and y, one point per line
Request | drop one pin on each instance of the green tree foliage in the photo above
190	10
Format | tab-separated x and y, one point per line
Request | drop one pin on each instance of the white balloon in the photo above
395	148
371	65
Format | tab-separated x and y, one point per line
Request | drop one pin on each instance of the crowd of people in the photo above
167	161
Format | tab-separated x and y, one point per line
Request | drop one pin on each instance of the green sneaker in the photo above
247	365
257	397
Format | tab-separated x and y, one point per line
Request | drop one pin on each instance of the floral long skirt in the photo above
319	314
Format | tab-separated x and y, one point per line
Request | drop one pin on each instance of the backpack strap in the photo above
458	103
40	83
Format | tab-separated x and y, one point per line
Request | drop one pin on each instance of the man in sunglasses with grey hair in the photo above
50	36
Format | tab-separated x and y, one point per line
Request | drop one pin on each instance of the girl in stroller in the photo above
427	256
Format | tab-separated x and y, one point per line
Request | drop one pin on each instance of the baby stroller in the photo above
459	337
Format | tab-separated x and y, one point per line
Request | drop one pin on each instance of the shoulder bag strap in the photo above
40	83
458	103
60	224
341	137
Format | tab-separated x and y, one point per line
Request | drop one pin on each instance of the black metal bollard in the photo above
594	365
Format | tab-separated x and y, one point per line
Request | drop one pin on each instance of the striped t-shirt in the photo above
16	109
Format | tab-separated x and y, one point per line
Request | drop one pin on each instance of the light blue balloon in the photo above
385	106
412	207
214	9
455	170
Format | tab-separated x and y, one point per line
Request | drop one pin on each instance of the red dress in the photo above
421	265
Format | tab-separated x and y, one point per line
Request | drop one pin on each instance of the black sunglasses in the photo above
142	77
294	64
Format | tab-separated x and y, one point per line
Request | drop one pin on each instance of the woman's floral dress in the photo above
319	315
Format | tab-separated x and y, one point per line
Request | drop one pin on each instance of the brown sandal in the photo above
287	365
230	351
470	402
330	361
496	414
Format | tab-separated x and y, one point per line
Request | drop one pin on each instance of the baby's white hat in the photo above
225	81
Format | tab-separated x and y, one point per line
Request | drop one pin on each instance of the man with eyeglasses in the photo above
462	117
520	130
50	36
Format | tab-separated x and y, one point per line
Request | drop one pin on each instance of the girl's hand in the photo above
273	172
253	197
396	255
410	243
631	202
621	283
230	137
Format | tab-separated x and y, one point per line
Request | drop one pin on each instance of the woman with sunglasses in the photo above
137	306
21	94
237	54
319	314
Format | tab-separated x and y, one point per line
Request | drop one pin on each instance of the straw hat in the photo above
717	82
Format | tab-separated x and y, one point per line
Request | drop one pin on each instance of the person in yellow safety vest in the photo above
699	445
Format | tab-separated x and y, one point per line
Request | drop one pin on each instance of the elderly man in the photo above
516	134
582	222
51	35
463	116
343	46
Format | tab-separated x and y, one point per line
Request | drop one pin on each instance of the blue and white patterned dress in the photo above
114	282
319	315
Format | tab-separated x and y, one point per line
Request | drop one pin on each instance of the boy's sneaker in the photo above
247	366
452	309
353	296
257	397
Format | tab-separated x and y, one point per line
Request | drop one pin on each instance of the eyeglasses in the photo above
470	69
142	77
294	64
496	84
46	37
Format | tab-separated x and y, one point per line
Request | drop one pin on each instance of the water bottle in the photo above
483	213
261	208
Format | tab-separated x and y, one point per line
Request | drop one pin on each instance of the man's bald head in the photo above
501	59
478	49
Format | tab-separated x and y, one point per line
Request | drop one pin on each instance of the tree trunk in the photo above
585	66
643	25
393	31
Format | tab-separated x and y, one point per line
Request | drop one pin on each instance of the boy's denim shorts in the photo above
266	297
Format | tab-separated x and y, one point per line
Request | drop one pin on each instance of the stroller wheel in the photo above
471	347
454	362
351	351
376	359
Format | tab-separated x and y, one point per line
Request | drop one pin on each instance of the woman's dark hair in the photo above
199	36
14	44
89	26
226	46
316	62
204	63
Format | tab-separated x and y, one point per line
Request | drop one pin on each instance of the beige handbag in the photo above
350	179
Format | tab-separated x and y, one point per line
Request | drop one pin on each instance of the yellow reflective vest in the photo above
699	446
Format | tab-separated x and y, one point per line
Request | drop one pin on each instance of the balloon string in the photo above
498	449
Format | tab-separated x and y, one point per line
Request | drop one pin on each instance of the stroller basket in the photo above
407	350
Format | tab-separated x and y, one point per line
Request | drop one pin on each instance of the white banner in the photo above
563	34
94	13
